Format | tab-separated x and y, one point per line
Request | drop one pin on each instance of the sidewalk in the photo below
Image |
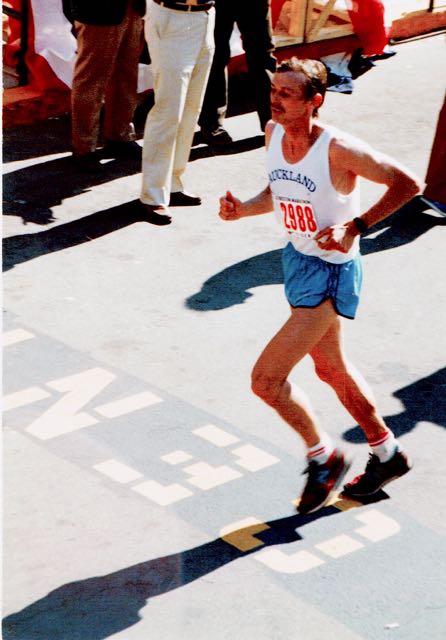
119	529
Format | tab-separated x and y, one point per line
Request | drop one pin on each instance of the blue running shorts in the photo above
309	281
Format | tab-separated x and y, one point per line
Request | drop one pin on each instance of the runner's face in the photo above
288	101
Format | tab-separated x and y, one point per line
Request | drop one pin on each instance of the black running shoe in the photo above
322	481
377	474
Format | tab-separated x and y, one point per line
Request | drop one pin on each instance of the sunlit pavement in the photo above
147	493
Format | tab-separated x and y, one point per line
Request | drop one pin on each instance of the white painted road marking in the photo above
65	416
339	546
176	457
128	404
215	435
253	459
162	495
206	477
117	471
377	526
24	397
15	336
298	562
241	535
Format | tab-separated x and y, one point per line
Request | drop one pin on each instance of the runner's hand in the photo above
338	237
230	207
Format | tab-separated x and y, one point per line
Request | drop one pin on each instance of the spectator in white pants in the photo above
180	37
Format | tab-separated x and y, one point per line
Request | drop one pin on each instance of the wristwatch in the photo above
360	225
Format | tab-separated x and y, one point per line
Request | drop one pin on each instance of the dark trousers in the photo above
106	67
253	18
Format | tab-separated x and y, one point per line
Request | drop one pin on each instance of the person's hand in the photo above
230	207
338	237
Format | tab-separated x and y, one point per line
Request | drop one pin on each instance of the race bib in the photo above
296	216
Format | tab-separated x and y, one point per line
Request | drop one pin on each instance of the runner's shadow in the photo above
231	286
21	248
424	401
404	226
97	608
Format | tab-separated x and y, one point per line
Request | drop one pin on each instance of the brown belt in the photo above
182	6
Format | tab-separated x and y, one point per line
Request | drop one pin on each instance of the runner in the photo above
313	172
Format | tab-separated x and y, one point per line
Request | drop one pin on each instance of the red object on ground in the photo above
368	20
41	76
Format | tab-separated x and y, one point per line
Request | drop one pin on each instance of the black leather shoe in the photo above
181	199
154	214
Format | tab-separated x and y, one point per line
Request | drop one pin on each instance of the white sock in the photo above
321	451
385	447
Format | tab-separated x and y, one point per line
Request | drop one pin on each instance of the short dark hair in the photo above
315	73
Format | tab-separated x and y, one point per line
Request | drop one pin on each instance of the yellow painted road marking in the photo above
241	534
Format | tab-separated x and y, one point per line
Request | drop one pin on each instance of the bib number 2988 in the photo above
298	217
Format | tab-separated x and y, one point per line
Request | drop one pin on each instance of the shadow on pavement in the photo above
404	226
30	193
35	140
238	146
97	608
424	401
231	286
21	248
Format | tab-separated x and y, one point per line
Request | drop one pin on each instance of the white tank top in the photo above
305	200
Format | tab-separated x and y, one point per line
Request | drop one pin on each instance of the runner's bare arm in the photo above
232	208
353	159
361	160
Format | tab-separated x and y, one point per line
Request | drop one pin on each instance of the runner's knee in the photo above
266	387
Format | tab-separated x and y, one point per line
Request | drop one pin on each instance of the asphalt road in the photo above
147	493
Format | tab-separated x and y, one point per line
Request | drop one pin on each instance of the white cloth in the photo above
54	41
181	46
